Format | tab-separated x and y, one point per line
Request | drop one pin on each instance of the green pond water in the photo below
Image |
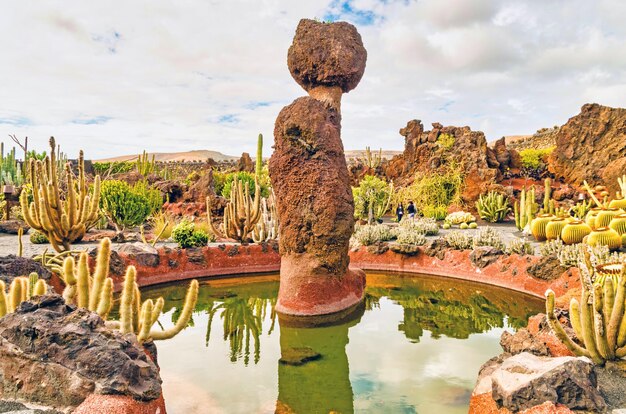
415	348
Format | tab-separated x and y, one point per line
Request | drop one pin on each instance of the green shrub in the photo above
37	237
438	212
446	141
428	191
122	205
245	177
535	158
186	235
115	167
373	195
154	197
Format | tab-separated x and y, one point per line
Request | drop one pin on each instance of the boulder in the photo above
74	352
117	265
436	248
591	146
330	55
144	254
406	249
12	266
13	226
547	268
523	341
201	188
526	380
483	256
245	163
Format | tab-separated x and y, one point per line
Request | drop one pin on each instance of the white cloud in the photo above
117	77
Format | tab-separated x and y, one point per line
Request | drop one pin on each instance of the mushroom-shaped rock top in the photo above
327	54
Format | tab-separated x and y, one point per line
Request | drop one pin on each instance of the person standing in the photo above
410	209
400	212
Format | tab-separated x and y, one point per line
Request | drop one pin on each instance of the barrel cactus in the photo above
574	232
554	228
538	226
605	236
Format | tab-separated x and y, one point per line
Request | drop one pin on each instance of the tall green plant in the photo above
123	205
372	198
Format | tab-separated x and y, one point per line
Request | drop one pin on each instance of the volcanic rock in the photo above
201	188
245	163
324	54
423	154
483	256
12	266
13	226
547	268
144	254
522	341
310	176
591	146
526	380
56	355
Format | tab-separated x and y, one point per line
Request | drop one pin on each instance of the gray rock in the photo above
76	354
526	380
144	254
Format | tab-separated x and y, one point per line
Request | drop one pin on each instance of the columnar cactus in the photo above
525	209
21	289
62	218
146	165
598	318
370	160
259	156
95	292
241	214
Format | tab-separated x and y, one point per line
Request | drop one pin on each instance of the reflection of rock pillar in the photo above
310	176
319	386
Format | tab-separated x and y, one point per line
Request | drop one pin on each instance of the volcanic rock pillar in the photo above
310	176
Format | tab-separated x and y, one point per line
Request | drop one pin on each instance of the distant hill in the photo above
203	155
198	155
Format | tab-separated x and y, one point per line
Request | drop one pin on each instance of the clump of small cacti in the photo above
458	240
489	237
369	234
146	165
407	235
581	209
493	207
459	217
425	225
597	319
520	247
551	248
37	237
20	289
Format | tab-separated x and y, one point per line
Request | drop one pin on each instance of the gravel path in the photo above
9	244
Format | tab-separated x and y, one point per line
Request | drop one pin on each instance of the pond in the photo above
416	347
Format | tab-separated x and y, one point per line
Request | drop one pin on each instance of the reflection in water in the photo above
320	386
243	318
448	325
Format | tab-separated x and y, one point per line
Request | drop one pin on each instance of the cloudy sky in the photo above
116	77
